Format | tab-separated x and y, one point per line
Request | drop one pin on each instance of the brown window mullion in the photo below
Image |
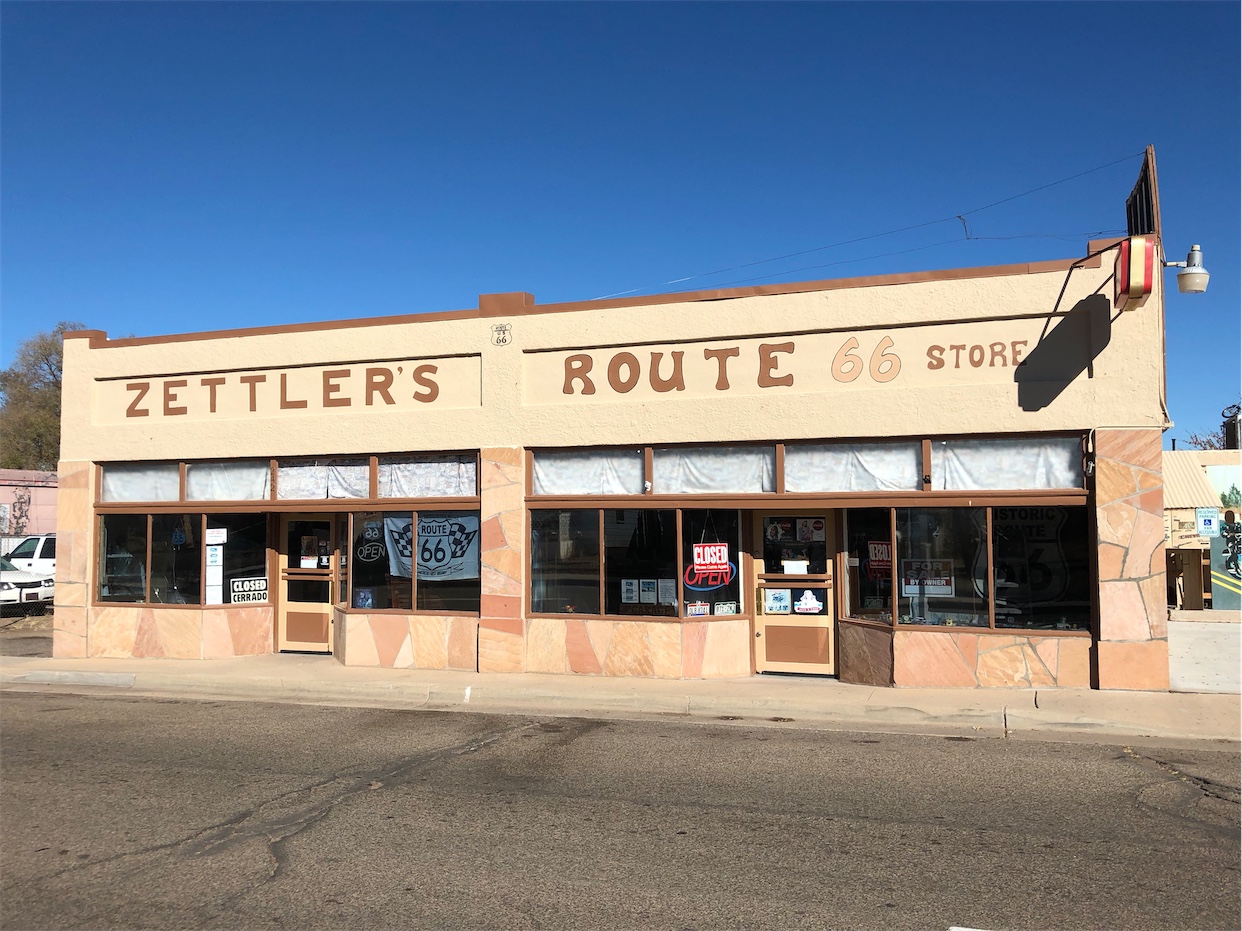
603	555
681	569
991	573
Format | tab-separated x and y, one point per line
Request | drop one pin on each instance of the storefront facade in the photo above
948	478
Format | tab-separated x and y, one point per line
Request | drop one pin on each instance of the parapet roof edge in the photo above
522	304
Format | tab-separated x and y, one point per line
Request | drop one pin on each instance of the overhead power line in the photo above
960	217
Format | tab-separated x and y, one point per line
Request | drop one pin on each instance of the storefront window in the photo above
322	479
795	545
640	563
869	564
714	470
236	559
942	555
565	562
228	481
379	576
711	547
147	481
1041	561
1007	463
441	477
448	561
811	467
588	472
123	551
176	559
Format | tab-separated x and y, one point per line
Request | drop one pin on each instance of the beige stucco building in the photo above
942	478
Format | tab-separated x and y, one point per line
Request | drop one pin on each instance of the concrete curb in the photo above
1056	714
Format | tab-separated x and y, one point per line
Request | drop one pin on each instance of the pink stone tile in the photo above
493	604
1123	615
1049	651
1139	447
491	534
252	630
545	645
581	657
390	632
506	563
505	455
497	583
1155	601
665	641
1116	523
1003	668
111	631
499	651
1039	675
1114	481
180	633
1151	502
72	620
600	633
968	646
727	652
428	643
217	638
463	643
1139	666
629	654
147	638
693	640
359	642
1074	663
929	660
1111	559
68	645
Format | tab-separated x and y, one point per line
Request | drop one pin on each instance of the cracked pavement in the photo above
146	813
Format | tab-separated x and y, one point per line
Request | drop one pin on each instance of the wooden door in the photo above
793	594
308	566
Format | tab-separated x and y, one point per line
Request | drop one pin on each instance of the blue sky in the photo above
173	167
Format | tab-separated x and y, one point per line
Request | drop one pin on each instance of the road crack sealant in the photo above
1198	788
281	818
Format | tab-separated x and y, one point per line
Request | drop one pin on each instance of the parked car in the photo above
35	554
22	592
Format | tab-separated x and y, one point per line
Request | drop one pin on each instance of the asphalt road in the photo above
142	813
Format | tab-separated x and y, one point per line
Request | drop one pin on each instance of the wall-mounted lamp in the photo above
1193	277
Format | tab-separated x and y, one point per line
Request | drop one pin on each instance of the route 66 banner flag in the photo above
448	547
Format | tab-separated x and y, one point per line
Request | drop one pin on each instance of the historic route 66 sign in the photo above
501	334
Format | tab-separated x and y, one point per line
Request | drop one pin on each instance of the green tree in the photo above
30	402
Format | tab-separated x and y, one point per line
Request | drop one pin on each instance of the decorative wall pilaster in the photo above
74	510
502	523
1133	648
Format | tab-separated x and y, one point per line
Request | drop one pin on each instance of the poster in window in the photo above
309	553
629	591
808	601
647	591
811	530
710	568
1029	561
927	578
780	529
448	546
879	559
668	592
777	601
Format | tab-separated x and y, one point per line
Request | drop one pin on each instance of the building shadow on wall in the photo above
1064	352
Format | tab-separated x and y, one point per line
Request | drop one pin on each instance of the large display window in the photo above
420	560
1003	568
643	567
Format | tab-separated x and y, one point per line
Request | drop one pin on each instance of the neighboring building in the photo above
937	478
1202	570
27	505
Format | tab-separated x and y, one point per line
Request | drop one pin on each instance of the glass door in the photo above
794	610
308	571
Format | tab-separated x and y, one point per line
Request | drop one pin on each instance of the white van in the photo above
35	554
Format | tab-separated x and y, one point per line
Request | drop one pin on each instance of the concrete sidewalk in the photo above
1057	714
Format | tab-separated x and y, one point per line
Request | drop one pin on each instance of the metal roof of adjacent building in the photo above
1186	483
